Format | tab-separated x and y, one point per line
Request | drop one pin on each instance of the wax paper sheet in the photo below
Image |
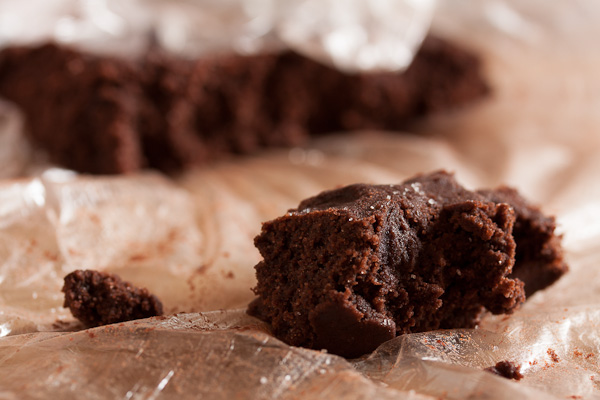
189	240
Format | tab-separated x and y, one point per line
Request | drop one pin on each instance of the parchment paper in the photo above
189	240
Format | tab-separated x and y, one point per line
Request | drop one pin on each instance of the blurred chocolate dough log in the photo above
103	115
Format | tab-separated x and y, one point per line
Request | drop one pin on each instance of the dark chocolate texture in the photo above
353	267
97	298
539	259
81	109
98	114
506	369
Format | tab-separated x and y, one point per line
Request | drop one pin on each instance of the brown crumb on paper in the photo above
97	298
50	256
553	355
73	252
202	269
138	257
95	219
506	369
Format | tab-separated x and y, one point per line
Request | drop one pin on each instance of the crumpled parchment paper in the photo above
353	35
189	240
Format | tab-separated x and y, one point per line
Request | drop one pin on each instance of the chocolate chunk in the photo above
97	298
106	115
353	267
539	259
507	369
80	108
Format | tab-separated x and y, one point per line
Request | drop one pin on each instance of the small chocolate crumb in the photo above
506	369
553	355
97	298
202	269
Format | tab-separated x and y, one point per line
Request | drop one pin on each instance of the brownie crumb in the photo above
553	355
354	267
507	369
98	298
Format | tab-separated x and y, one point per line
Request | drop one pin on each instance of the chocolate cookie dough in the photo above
353	267
97	298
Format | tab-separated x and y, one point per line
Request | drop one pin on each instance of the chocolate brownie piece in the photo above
539	259
230	103
99	114
506	369
442	76
308	96
164	109
97	298
81	109
211	108
356	266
